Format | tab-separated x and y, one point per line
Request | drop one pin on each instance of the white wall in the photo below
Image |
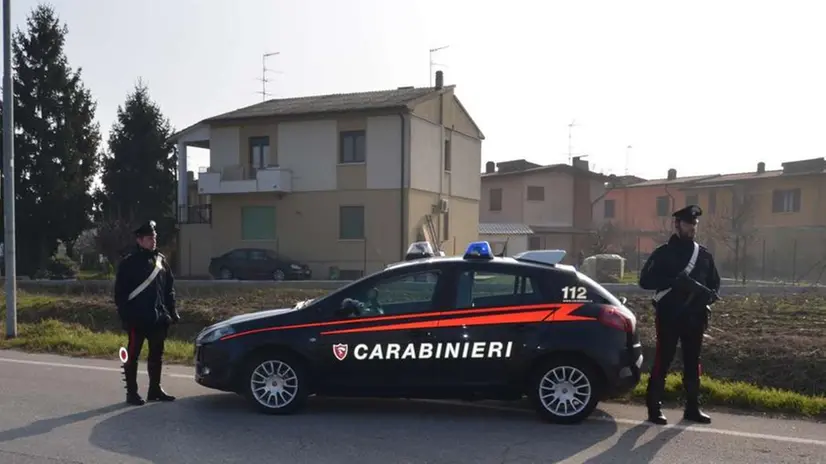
425	155
466	161
224	143
384	152
309	150
557	209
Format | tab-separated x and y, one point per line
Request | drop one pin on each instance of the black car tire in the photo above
568	364
225	274
276	359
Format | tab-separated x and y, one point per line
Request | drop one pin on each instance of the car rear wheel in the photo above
565	390
225	273
276	383
278	275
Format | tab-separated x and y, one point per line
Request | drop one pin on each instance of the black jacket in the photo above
156	303
665	264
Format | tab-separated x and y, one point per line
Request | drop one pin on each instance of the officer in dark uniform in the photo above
685	279
145	299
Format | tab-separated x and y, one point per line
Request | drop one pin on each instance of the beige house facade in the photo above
548	207
343	181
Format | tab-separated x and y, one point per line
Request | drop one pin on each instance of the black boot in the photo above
156	393
692	404
694	414
655	414
652	401
130	376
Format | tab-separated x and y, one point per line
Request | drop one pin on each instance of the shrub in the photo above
62	267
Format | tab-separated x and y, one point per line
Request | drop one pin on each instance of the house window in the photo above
447	155
691	200
536	193
353	147
259	152
786	201
610	206
446	226
663	205
496	199
258	223
351	223
712	202
534	242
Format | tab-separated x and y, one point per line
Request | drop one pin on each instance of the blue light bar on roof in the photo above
478	250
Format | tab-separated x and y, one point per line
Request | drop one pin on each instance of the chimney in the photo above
440	79
761	167
490	167
672	174
580	163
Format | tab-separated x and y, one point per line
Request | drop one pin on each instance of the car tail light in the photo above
612	317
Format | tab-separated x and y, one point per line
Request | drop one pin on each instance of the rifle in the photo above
697	290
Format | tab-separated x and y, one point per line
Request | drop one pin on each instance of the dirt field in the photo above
776	341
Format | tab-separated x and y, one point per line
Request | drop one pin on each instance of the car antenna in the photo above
504	248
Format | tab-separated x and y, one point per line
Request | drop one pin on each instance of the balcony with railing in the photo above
243	179
195	214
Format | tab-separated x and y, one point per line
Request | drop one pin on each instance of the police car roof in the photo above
507	260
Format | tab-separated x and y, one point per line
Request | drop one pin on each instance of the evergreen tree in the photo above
139	178
56	142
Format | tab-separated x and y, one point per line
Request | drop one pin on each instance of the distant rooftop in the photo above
790	168
522	167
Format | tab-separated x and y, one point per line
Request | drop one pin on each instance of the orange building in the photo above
769	223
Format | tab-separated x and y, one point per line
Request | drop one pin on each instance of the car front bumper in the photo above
213	367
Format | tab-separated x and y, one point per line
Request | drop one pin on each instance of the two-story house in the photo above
343	180
532	207
767	223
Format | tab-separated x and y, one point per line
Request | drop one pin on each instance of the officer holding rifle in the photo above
685	279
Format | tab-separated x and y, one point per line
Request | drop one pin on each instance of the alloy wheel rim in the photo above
565	391
274	384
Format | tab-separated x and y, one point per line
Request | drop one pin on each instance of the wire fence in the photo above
785	255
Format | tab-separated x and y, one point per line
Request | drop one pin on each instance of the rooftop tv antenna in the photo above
627	159
432	63
264	71
570	128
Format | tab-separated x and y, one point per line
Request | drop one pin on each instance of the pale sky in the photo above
702	86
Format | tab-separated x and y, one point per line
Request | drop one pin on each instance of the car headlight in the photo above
212	335
295	267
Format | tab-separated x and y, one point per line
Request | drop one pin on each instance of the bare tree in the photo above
606	236
113	239
733	226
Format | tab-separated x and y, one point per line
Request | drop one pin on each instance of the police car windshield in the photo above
599	289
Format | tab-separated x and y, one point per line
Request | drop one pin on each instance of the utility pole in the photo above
432	51
264	70
8	177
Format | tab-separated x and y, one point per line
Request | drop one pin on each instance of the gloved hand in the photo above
176	317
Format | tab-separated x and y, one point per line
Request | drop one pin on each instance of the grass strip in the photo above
52	336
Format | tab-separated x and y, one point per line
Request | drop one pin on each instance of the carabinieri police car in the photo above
468	327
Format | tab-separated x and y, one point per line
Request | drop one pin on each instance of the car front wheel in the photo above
564	391
276	384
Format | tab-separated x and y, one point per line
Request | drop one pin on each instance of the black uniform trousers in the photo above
156	338
688	331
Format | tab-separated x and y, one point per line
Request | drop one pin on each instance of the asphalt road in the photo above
66	410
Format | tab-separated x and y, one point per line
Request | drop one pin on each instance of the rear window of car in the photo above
597	290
